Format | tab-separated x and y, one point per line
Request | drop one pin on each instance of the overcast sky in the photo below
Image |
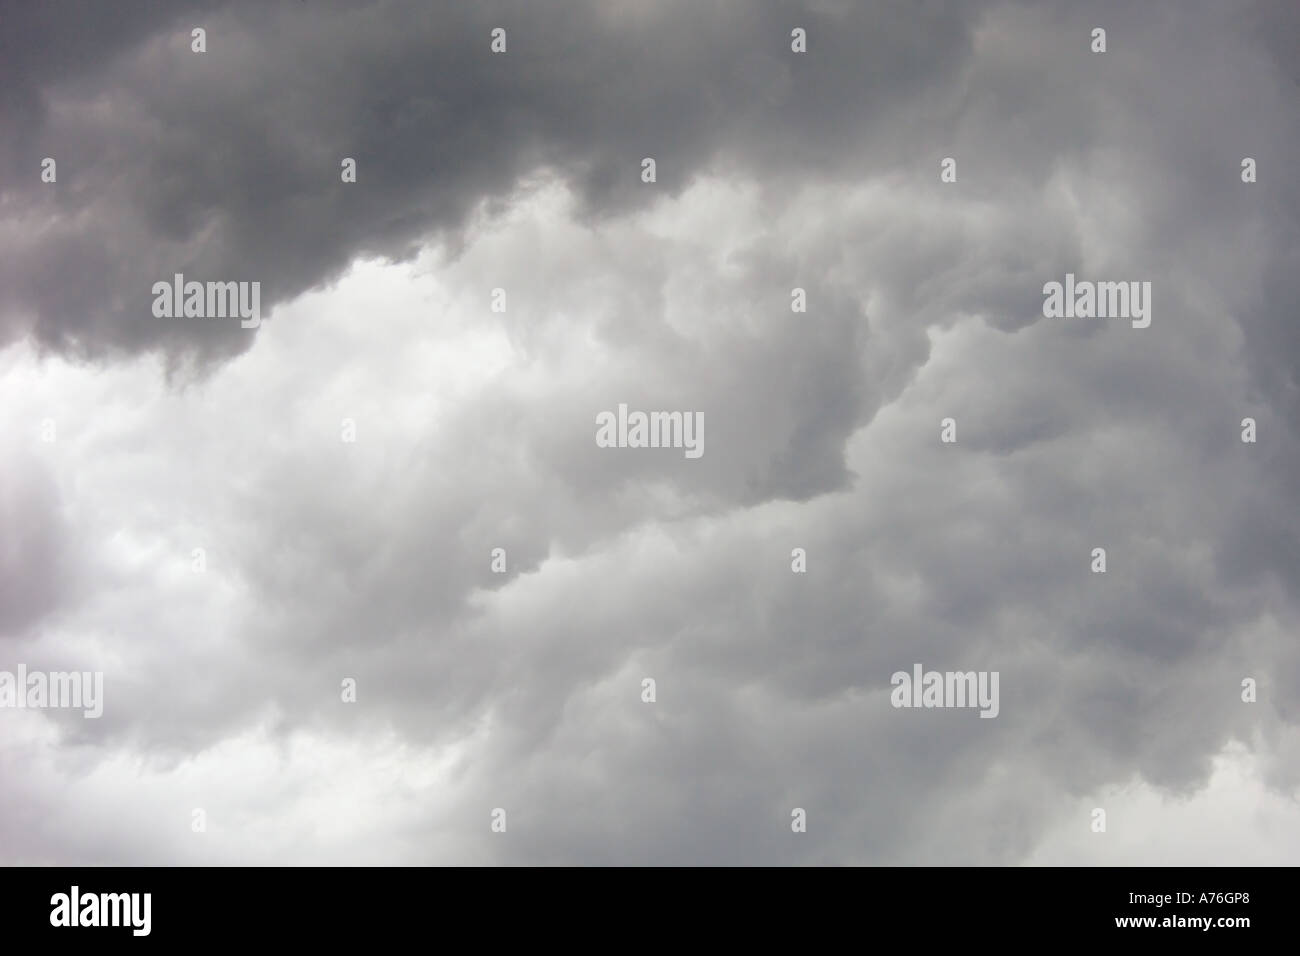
371	560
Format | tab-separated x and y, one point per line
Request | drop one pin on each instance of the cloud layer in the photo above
371	560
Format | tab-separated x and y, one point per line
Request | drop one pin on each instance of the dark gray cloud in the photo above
226	164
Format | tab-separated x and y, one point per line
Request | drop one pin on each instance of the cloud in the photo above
371	560
226	164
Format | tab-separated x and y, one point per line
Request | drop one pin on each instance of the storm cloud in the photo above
130	441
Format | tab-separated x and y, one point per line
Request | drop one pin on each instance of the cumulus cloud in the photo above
326	559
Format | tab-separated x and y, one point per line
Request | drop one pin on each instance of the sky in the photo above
279	544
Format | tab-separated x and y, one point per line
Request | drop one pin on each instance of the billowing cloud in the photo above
325	559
